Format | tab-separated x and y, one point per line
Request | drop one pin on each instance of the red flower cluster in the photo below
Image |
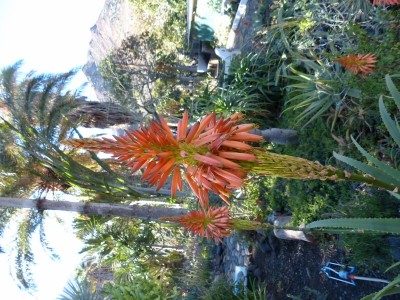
212	223
359	63
210	151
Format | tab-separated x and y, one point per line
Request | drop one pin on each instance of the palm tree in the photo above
137	211
38	109
35	112
79	289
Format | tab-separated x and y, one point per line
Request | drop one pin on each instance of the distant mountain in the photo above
116	22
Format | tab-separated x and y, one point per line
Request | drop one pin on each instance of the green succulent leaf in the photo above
391	125
394	175
380	225
374	172
393	266
393	90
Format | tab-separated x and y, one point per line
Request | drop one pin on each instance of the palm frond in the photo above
79	289
24	256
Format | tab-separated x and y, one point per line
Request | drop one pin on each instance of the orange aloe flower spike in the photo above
176	183
168	134
164	176
182	127
213	223
192	132
208	160
359	63
237	145
225	162
237	155
205	122
246	137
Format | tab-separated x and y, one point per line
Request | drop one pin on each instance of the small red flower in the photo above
386	2
359	63
212	223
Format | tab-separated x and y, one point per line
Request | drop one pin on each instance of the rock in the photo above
288	234
115	23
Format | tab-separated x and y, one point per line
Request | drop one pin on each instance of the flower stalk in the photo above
214	155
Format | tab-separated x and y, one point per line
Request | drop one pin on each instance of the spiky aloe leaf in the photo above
378	225
392	89
374	172
393	266
391	125
393	174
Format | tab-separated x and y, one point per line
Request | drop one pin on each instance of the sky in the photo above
51	36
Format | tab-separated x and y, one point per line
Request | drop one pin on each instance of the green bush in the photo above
140	288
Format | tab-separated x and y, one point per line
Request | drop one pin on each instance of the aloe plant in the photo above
346	225
377	169
316	90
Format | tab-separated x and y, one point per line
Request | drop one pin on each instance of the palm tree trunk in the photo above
102	114
144	212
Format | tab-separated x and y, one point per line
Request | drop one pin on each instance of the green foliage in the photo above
38	99
166	20
250	88
79	290
130	247
140	288
316	90
107	240
300	27
196	278
380	170
222	289
368	251
131	70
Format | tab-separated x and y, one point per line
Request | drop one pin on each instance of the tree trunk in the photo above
102	114
278	135
144	212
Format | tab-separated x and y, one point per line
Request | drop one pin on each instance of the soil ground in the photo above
292	270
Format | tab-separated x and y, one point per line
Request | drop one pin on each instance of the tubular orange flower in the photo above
359	63
386	2
211	153
212	223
